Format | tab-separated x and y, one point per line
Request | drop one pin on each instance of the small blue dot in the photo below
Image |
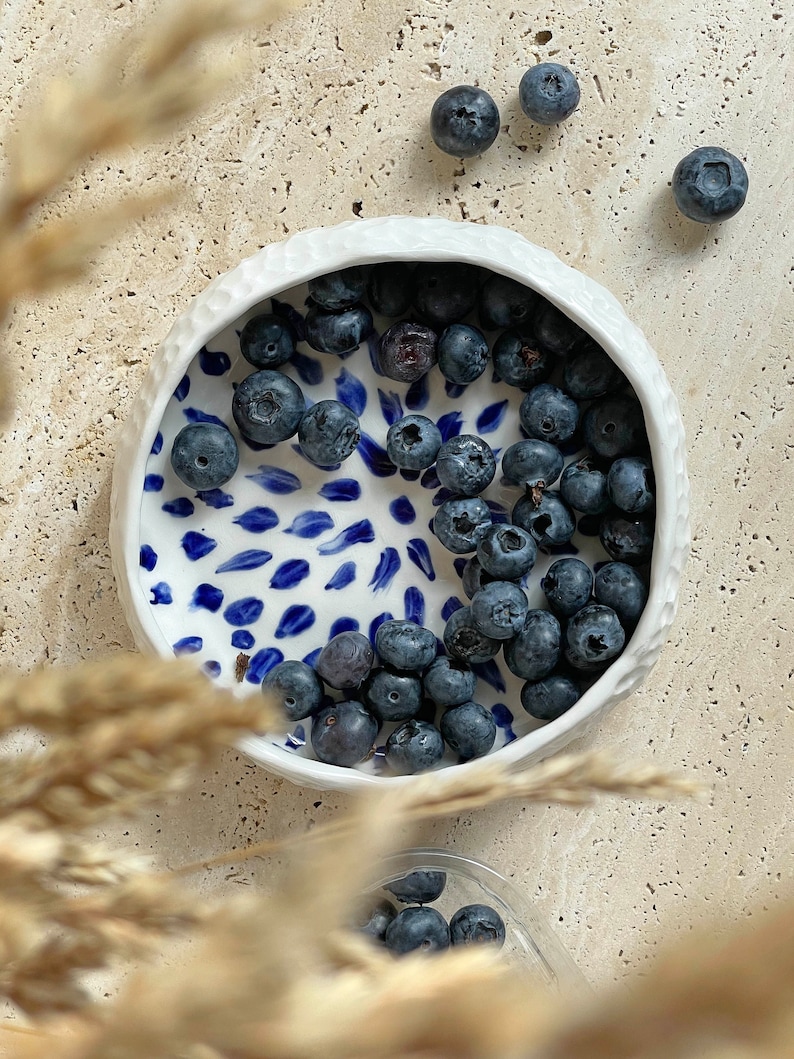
153	483
242	639
212	668
188	645
148	558
244	611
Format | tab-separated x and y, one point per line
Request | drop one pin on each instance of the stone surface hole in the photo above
543	37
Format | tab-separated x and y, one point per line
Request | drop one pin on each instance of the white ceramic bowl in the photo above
531	946
245	569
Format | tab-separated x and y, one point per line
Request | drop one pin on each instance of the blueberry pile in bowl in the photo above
425	442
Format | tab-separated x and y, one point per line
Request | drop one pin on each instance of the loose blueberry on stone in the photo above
405	644
296	688
628	538
413	442
593	637
343	733
620	587
375	916
499	609
417	928
445	291
503	302
518	360
590	372
328	433
549	698
392	696
448	681
584	487
463	353
460	522
414	747
465	464
204	455
535	651
420	887
407	351
548	93
464	121
506	551
532	463
267	341
630	484
710	185
346	660
340	332
390	288
268	406
469	729
554	331
549	414
477	924
550	521
338	290
465	641
567	586
614	426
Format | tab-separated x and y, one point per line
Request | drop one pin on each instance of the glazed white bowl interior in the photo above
234	297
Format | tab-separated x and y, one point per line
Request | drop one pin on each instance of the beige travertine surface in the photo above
328	121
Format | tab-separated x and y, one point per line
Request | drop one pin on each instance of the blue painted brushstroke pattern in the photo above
243	640
153	483
157	444
244	611
206	597
197	545
386	570
257	519
450	606
251	559
343	624
290	573
343	576
183	388
341	489
418	395
489	672
351	391
310	371
450	425
390	406
358	533
294	620
275	479
215	498
261	663
179	508
148	557
414	605
310	524
419	554
195	415
402	510
188	645
213	363
376	623
491	417
291	315
161	593
375	457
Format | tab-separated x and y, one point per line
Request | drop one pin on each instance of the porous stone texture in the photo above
326	121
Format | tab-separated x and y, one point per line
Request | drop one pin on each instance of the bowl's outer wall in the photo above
283	265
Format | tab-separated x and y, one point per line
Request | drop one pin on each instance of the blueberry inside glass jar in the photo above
289	554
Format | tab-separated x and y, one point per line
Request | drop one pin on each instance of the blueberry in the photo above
532	463
630	484
267	341
535	651
463	353
448	681
590	372
477	924
628	538
445	291
549	520
296	688
614	426
417	928
499	609
405	644
567	586
504	302
593	637
465	641
375	916
709	185
268	406
465	464
413	442
392	696
554	331
469	729
475	576
407	351
338	290
518	360
506	551
549	698
584	487
549	414
460	522
343	733
346	660
548	93
328	433
620	587
390	288
204	455
420	887
464	121
340	332
414	747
